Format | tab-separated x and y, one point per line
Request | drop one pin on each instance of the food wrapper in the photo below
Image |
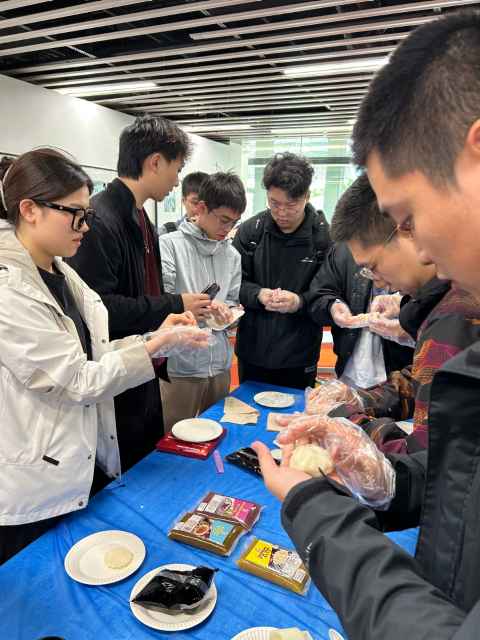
239	412
175	590
275	564
236	510
212	534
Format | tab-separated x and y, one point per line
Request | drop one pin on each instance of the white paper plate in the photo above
197	430
85	561
275	399
255	633
237	314
175	621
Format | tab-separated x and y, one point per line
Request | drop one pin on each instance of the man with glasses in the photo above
195	257
346	285
282	249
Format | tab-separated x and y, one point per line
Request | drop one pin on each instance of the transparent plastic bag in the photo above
359	464
181	340
329	395
390	329
387	305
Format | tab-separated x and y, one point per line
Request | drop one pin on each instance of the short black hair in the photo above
147	135
223	190
357	216
421	105
289	172
192	181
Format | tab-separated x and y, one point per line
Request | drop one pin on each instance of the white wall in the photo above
31	116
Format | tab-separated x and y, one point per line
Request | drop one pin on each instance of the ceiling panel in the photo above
227	69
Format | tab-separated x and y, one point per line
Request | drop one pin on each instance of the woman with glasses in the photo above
58	370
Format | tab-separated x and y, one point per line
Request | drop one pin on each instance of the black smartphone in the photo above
212	290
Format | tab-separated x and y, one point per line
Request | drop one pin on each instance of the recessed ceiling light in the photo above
97	89
335	68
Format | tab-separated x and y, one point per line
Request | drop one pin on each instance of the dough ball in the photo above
311	458
118	557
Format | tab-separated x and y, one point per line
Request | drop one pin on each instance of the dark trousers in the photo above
295	377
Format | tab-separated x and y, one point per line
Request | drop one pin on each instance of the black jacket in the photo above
271	259
378	590
339	278
111	261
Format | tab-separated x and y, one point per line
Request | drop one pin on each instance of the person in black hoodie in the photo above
282	249
120	259
431	84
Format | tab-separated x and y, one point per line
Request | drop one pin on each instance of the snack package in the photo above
245	458
176	590
236	510
276	564
211	534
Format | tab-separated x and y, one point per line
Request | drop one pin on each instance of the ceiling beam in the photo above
67	64
412	7
357	28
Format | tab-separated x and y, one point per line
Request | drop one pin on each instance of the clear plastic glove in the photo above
284	301
176	340
342	316
265	296
387	305
329	395
359	465
390	329
221	312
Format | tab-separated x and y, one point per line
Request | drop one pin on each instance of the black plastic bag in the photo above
176	590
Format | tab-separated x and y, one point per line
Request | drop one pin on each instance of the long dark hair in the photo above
42	174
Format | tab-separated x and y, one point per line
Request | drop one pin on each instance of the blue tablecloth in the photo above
37	598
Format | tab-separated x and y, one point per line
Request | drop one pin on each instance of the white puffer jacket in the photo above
56	407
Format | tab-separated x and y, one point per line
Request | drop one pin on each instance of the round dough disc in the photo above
311	458
118	557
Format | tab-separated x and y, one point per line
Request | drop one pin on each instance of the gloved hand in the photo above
359	465
265	296
283	301
342	316
172	341
387	305
390	330
329	395
221	312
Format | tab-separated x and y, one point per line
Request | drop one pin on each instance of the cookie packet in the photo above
276	564
236	510
212	534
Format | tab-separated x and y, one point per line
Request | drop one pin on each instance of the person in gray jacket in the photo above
194	257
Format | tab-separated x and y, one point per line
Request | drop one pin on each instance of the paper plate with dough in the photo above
275	399
197	430
104	557
237	313
175	620
255	633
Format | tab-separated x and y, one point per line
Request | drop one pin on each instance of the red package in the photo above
169	444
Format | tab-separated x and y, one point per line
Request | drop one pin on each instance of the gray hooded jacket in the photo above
191	262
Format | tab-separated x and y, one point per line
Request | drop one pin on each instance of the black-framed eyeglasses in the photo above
80	215
369	272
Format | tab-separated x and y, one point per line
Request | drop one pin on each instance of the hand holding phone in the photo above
212	290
